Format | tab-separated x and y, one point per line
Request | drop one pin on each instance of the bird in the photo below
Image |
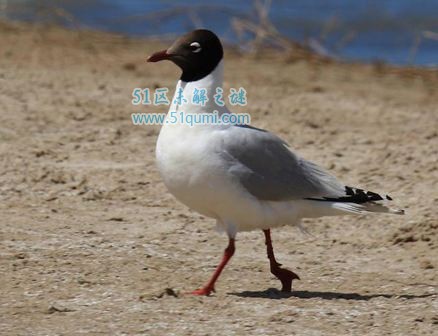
244	177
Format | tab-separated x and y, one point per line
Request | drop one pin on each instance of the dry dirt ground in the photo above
91	243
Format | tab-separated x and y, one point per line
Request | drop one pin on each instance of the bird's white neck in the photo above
210	83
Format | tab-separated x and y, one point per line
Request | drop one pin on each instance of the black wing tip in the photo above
355	195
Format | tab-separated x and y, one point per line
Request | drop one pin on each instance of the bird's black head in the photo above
196	53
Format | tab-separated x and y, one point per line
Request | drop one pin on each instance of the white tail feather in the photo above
382	207
310	208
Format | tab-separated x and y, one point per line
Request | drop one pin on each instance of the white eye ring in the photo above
197	46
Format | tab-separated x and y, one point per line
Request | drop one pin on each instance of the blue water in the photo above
384	30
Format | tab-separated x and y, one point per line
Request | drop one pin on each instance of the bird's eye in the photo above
195	47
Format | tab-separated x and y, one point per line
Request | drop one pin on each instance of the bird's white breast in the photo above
189	168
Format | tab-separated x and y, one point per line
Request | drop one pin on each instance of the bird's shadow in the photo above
275	294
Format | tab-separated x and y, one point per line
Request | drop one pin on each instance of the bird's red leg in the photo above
282	274
209	287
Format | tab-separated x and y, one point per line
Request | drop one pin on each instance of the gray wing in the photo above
263	164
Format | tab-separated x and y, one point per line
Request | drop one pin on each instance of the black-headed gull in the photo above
244	177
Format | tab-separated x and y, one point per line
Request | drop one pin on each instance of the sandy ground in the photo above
91	243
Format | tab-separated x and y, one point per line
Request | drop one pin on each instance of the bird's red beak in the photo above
159	56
